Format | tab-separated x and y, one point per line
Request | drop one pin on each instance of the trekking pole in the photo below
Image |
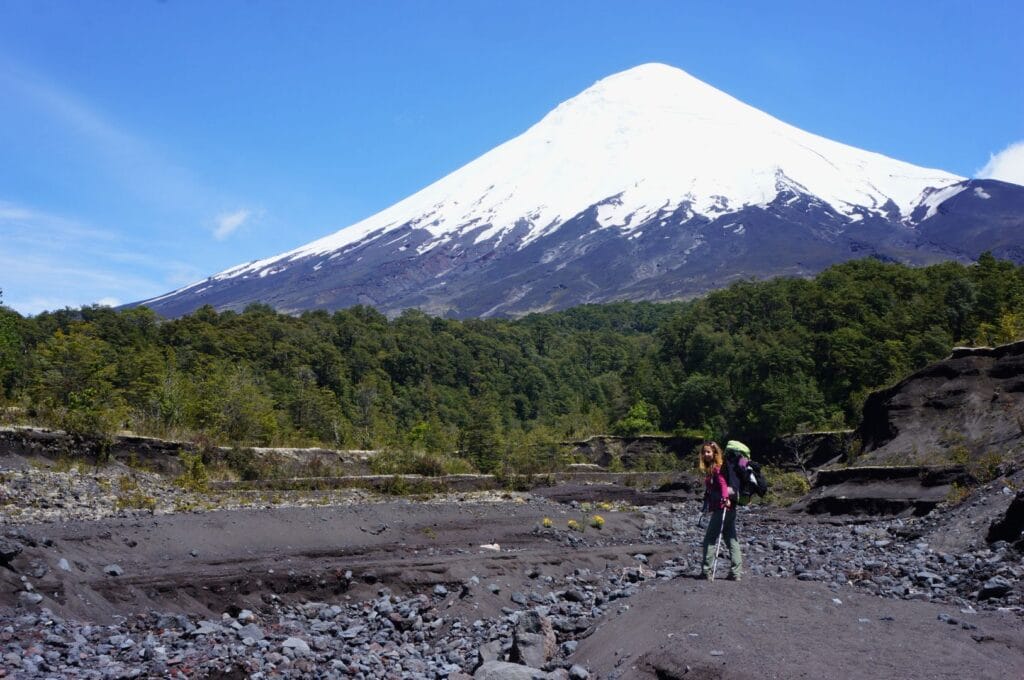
718	547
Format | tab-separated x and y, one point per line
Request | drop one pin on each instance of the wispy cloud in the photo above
136	164
50	261
1007	165
228	223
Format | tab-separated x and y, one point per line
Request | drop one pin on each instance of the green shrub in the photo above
136	500
195	476
397	462
786	487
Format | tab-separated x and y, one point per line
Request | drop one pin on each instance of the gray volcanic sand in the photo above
303	554
783	628
205	564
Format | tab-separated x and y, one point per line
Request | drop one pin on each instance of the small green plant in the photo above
597	521
986	468
547	523
184	505
574	526
136	500
64	464
958	493
194	477
960	454
786	487
397	485
127	484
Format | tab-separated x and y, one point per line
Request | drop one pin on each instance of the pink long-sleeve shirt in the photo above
716	488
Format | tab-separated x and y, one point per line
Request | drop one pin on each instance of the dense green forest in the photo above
753	360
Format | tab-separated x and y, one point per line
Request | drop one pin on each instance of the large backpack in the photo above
744	475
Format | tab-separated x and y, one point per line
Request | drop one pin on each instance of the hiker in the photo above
719	500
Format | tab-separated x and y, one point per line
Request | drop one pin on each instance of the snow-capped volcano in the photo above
614	194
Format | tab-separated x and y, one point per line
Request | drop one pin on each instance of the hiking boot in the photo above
733	577
703	576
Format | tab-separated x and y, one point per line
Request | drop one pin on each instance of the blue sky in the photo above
146	145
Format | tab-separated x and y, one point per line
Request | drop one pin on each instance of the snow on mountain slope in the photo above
649	185
652	137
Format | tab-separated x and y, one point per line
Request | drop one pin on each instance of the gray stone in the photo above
113	570
28	599
997	586
350	633
578	672
297	645
250	630
500	670
533	641
489	651
8	550
209	628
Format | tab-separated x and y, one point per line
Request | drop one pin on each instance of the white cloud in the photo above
1007	165
227	223
50	261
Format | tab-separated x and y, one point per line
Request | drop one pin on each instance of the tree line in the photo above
756	359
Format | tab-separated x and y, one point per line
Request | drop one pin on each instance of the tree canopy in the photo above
756	359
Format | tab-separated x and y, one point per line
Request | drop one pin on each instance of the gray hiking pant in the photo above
715	526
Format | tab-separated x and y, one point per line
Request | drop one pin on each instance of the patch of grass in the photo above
127	484
958	493
65	464
184	505
986	467
401	486
136	500
786	487
399	462
135	463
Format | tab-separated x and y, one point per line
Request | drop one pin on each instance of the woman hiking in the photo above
718	500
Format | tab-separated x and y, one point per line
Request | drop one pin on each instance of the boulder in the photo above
533	641
1009	527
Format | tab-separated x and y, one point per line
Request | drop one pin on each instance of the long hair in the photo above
719	458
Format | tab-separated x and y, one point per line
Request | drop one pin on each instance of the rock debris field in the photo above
345	585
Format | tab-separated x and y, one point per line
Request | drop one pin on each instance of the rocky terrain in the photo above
911	571
477	585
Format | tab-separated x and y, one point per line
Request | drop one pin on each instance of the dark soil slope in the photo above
972	403
770	628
